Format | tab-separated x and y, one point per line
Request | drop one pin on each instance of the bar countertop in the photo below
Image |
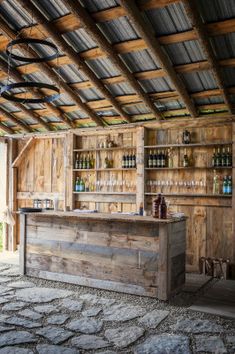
107	217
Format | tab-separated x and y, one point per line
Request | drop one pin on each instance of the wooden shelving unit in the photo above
124	142
209	144
189	168
192	195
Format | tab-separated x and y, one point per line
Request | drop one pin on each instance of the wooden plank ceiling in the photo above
120	64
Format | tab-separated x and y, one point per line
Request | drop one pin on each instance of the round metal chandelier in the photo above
6	90
30	41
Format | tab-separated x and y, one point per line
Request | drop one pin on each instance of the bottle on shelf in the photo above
213	161
216	186
154	159
185	159
229	185
186	137
133	160
159	158
150	159
218	158
82	185
124	160
223	158
77	185
225	185
76	165
163	159
92	161
228	158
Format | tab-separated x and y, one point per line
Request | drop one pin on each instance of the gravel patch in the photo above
159	322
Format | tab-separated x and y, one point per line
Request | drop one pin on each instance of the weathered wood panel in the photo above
117	251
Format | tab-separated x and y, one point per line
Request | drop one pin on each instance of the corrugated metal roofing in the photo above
103	68
157	85
183	53
224	46
79	40
139	61
216	10
168	20
52	9
97	5
171	19
120	89
118	30
200	81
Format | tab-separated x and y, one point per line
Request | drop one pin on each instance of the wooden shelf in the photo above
106	149
106	193
188	168
187	145
104	169
191	195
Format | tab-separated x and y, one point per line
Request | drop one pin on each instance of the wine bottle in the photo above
159	159
80	162
154	159
218	158
186	159
82	185
123	160
223	158
156	207
88	162
228	158
150	159
134	160
77	162
215	183
229	185
163	209
77	185
213	162
225	185
163	159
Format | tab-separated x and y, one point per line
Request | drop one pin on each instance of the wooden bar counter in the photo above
132	254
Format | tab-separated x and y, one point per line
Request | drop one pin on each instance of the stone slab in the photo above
164	344
55	349
16	337
124	336
15	350
198	325
211	344
122	312
56	335
57	319
85	325
87	342
153	319
41	295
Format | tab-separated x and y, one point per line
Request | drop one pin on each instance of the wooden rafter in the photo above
195	18
148	35
143	75
70	23
89	25
17	121
73	55
45	68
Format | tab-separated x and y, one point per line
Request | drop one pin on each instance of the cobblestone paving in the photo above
45	317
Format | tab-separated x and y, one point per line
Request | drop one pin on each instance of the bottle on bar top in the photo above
163	209
156	207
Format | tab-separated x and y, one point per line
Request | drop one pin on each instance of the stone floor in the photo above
46	317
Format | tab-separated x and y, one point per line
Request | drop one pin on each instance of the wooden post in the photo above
68	168
140	180
23	219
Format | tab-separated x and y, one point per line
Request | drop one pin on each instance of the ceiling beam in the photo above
89	25
45	68
144	75
14	120
157	52
197	23
73	55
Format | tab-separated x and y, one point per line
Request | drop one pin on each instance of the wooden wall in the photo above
40	172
